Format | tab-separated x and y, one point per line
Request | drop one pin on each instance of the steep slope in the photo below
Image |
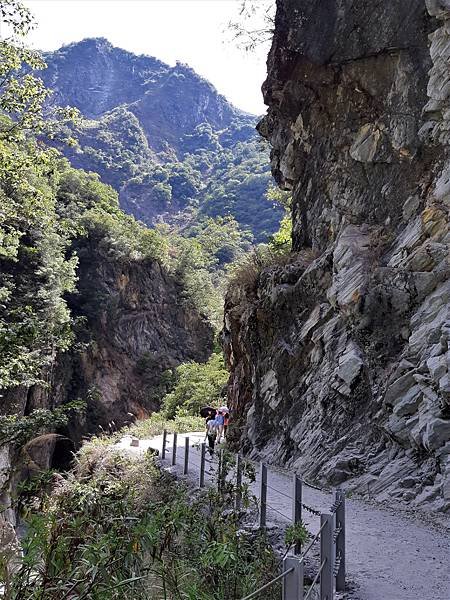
90	76
144	120
88	312
134	326
340	359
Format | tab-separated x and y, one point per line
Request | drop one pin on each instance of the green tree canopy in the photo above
197	385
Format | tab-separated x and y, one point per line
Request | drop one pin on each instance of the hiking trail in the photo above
391	555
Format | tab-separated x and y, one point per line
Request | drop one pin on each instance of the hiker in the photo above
211	434
226	423
224	412
208	418
207	412
220	420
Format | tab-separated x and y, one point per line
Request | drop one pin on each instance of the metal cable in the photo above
312	510
315	580
337	564
269	487
305	506
314	487
198	466
336	532
335	506
267	585
314	540
311	485
195	463
278	511
281	473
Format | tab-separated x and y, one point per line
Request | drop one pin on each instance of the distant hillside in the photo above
162	136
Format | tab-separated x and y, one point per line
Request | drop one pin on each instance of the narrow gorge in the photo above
126	319
224	338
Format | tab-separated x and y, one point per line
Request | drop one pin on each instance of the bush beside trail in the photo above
118	525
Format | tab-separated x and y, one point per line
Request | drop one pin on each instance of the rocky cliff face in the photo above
340	358
133	324
97	77
136	325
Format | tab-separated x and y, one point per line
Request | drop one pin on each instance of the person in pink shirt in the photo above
225	424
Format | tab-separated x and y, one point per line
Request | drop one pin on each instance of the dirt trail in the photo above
390	555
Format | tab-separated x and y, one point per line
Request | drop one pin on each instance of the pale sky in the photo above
191	31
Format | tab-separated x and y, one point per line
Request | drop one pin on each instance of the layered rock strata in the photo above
136	324
339	358
133	323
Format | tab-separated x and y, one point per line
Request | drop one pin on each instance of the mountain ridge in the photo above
162	136
102	44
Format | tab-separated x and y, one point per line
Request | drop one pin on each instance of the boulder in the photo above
437	434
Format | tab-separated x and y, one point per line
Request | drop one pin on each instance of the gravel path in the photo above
390	555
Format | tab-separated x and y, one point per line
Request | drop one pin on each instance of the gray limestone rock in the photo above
437	434
350	364
370	145
408	403
359	123
438	366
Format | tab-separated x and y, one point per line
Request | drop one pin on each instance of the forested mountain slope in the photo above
91	308
94	306
162	136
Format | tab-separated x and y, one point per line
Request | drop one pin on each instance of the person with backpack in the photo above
211	434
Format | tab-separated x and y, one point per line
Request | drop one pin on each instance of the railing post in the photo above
201	481
297	506
293	582
262	495
222	470
340	541
219	470
164	443
238	499
174	449
326	554
186	456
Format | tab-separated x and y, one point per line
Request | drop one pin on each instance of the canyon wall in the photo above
132	323
339	355
135	324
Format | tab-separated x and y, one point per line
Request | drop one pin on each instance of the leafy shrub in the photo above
117	527
281	241
197	385
155	425
245	272
18	430
296	533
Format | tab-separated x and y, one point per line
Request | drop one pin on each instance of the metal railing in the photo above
292	577
331	534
